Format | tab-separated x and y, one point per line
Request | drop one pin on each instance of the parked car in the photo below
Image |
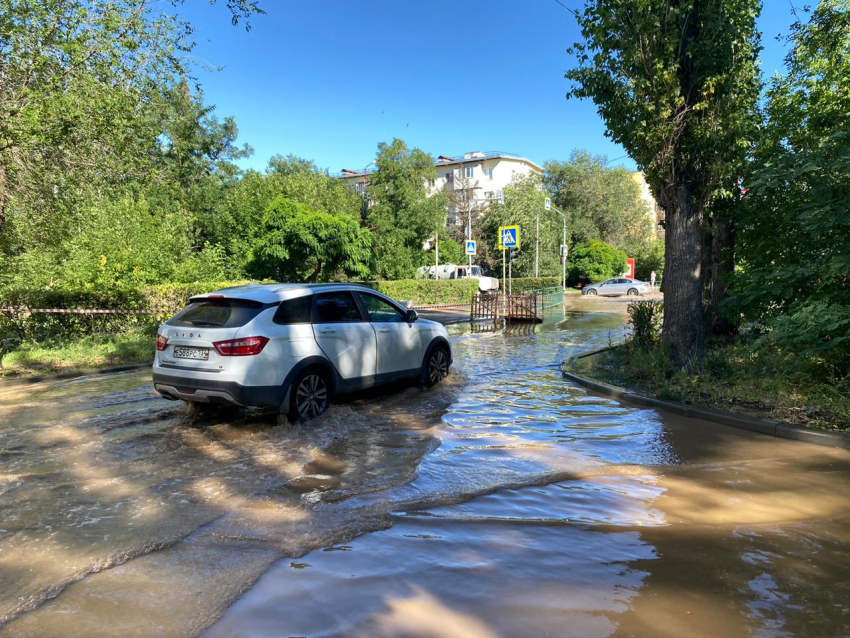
294	346
453	271
618	286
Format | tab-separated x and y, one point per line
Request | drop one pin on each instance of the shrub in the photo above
594	261
165	300
427	291
645	319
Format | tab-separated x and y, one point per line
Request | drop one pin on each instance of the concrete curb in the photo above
95	372
776	429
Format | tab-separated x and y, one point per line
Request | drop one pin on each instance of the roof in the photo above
447	160
270	293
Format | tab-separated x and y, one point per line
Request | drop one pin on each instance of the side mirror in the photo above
412	316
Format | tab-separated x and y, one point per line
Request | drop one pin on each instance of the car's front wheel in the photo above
310	395
591	293
436	367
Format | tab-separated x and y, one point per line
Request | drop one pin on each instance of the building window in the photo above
431	183
449	177
490	173
469	171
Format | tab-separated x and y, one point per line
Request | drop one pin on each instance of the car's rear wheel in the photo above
310	395
437	366
591	293
633	292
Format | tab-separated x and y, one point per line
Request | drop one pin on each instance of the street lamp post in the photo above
564	265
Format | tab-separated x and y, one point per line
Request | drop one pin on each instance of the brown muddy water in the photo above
505	502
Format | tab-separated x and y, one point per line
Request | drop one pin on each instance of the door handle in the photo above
384	330
328	331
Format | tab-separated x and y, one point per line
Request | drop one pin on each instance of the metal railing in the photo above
552	297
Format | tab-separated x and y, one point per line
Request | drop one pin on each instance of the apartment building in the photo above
653	210
469	181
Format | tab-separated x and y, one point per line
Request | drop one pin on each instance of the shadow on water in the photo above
505	502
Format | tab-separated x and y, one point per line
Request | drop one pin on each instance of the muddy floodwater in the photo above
506	502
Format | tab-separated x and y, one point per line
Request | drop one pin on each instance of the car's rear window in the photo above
296	310
217	313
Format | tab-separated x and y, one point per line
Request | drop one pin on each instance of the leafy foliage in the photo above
794	235
428	291
676	83
648	256
402	216
523	203
600	202
594	261
297	244
451	252
645	319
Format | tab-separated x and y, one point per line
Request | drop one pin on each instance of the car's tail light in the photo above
161	342
241	347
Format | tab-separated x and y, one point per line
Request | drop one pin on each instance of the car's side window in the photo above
294	310
380	311
336	307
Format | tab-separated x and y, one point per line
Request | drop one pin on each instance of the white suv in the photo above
293	346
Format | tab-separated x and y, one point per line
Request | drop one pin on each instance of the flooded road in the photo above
505	502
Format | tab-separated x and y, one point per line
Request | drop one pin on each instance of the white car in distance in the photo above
294	346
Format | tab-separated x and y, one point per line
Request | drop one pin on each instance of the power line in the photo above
573	11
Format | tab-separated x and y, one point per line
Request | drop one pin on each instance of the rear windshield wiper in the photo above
203	322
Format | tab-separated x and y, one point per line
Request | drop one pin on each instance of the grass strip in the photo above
732	377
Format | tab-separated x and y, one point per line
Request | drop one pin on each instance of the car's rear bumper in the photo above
214	391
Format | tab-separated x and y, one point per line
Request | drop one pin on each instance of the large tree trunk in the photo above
722	267
684	321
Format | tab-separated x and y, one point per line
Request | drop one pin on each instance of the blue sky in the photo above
329	79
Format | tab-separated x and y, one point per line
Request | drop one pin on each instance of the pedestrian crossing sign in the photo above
508	237
470	246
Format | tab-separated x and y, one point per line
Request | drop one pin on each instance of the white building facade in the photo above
470	181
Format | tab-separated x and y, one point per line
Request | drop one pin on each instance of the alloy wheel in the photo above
311	397
438	366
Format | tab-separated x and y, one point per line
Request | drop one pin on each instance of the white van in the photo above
453	271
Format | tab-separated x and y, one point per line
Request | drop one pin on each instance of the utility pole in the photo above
537	248
469	228
564	257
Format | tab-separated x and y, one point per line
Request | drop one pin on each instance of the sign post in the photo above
508	238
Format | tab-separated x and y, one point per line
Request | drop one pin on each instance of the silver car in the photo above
618	286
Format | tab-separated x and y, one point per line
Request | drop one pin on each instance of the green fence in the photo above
548	298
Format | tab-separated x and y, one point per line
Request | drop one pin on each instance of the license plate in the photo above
202	354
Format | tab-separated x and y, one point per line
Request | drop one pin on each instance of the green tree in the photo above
676	82
402	215
451	252
300	180
600	202
297	244
593	261
794	235
77	87
124	242
524	202
649	257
